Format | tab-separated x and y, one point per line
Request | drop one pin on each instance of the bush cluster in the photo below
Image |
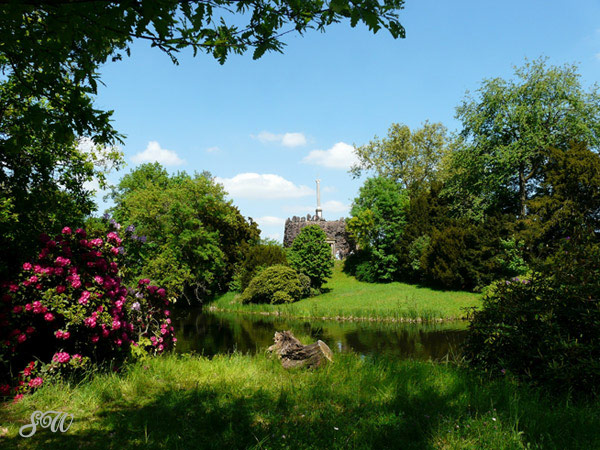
257	258
276	284
544	328
70	306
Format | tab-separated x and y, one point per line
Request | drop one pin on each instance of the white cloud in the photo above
154	153
276	236
262	186
340	156
293	139
287	139
93	185
270	221
213	149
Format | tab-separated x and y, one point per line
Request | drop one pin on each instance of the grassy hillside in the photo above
349	298
240	401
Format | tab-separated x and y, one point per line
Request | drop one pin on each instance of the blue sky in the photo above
268	128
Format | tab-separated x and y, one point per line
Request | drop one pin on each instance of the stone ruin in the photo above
335	230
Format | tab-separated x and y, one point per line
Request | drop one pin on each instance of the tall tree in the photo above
378	220
195	235
508	128
411	158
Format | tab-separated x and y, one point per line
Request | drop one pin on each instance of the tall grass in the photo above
242	401
347	298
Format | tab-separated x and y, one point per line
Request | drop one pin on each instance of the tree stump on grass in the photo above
293	354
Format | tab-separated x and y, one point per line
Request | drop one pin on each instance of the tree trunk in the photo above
522	192
293	354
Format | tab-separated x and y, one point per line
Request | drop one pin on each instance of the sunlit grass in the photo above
242	401
348	298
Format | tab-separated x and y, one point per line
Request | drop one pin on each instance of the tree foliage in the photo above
310	254
377	223
413	159
196	236
499	162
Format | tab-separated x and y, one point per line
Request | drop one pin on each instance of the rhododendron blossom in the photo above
76	285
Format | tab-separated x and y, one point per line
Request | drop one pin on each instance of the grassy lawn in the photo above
241	401
349	298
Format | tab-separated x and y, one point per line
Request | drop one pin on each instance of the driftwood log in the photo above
293	354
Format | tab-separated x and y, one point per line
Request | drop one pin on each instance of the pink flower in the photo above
163	331
76	283
66	335
96	242
18	309
29	330
85	295
80	232
116	324
60	289
48	317
112	236
36	382
114	251
160	348
90	322
174	339
167	312
17	398
95	338
27	266
161	292
21	338
4	389
28	307
61	357
143	281
58	334
66	230
98	279
76	356
27	371
13	288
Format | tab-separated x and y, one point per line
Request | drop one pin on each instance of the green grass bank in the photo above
241	401
348	298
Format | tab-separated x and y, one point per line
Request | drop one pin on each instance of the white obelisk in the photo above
319	210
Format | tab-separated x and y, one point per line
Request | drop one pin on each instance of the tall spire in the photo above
319	210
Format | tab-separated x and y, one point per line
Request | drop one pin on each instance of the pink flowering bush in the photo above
71	306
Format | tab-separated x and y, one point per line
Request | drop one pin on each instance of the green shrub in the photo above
259	257
545	328
275	284
310	254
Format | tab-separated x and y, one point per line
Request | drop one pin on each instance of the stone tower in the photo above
335	230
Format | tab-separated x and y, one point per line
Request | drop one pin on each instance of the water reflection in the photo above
212	333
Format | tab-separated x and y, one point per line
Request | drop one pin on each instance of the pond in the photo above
211	333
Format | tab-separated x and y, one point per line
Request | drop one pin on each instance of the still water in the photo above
211	333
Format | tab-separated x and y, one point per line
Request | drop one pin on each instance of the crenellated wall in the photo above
334	229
